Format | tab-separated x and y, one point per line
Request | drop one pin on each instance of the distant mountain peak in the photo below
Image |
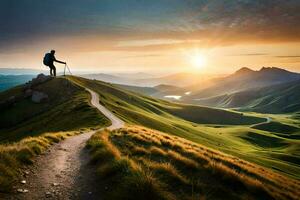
272	69
244	70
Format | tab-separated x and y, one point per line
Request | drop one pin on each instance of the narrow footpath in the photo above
63	171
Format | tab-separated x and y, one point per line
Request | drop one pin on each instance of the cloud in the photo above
287	56
144	56
205	23
252	54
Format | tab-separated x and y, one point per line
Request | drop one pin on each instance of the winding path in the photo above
115	121
63	172
261	123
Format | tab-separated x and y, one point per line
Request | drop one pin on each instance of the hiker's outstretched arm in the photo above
59	61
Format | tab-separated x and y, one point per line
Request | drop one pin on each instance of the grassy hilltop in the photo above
67	108
27	129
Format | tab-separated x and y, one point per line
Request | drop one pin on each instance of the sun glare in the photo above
198	61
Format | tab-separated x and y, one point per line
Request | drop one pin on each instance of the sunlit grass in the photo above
175	168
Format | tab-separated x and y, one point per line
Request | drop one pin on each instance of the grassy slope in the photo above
157	114
279	98
67	109
133	102
139	163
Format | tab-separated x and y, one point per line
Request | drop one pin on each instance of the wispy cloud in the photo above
251	54
144	56
287	56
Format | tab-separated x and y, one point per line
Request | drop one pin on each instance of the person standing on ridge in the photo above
48	61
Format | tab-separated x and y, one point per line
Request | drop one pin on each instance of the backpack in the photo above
47	59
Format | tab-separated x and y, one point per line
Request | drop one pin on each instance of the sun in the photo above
198	61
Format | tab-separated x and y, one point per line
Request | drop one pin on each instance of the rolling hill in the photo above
130	103
231	132
277	98
64	107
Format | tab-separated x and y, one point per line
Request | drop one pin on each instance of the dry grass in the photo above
14	156
149	161
129	179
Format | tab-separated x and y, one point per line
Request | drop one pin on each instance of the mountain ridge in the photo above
277	98
245	79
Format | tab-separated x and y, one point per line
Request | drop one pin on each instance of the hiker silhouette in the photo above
49	59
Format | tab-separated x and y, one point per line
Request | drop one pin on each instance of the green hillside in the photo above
66	108
130	103
227	131
28	128
279	98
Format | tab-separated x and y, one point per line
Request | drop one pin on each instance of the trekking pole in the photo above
69	69
65	69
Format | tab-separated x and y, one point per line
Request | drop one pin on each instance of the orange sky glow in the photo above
113	36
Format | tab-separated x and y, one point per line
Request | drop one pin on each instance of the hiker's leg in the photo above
54	70
50	70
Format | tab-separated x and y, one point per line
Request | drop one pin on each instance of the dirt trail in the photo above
63	172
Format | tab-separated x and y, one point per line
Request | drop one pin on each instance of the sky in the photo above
205	36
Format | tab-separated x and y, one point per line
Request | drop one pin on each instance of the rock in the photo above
8	102
22	190
11	99
23	182
55	184
26	172
41	78
38	97
48	194
28	93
